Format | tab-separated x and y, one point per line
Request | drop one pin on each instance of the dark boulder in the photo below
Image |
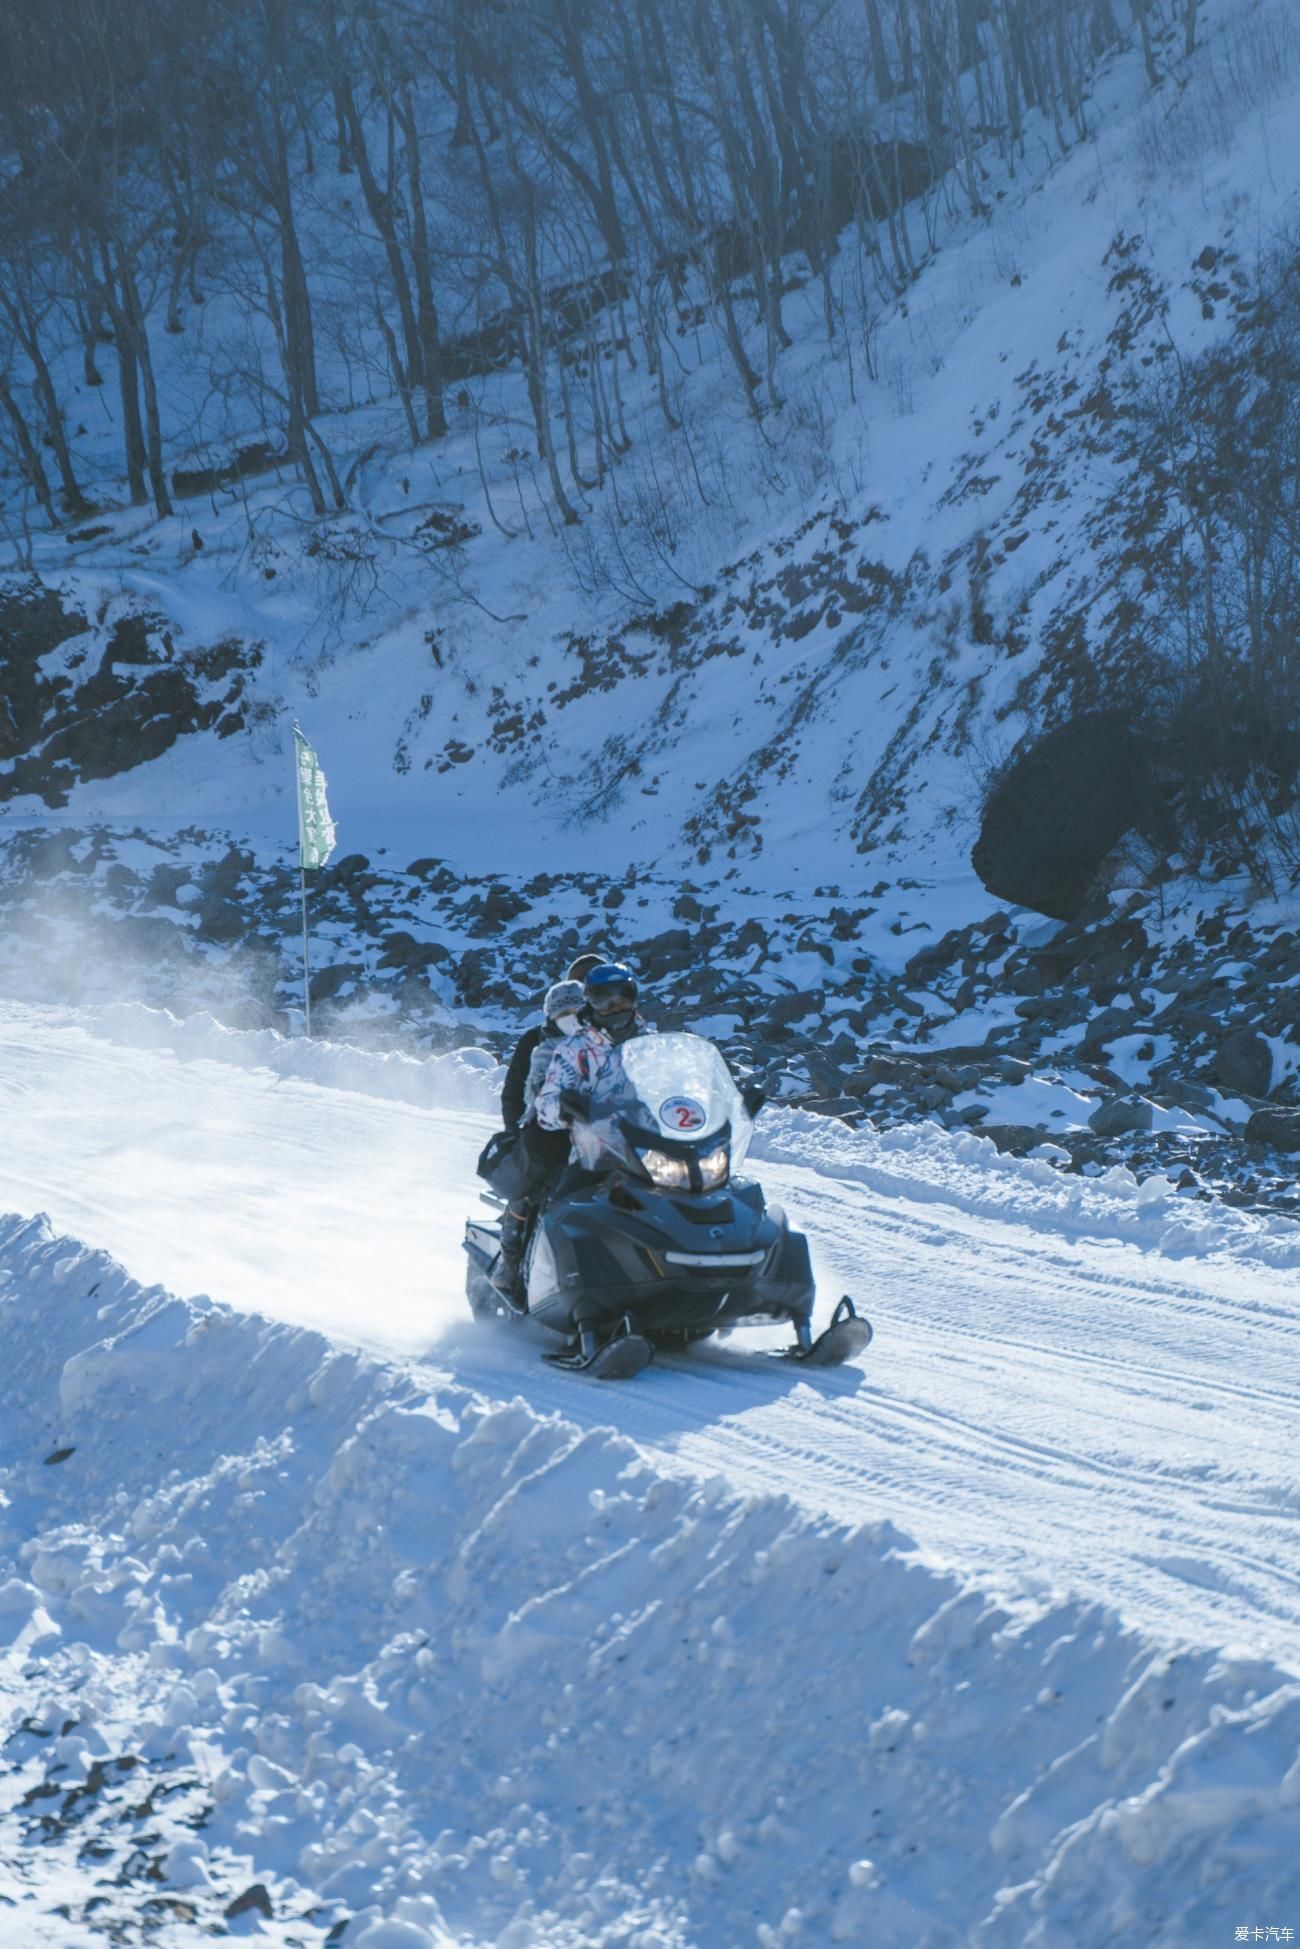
1120	1116
1056	813
784	1009
220	920
1017	1139
328	983
1243	1063
1279	1129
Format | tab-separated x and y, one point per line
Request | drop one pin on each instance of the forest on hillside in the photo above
320	200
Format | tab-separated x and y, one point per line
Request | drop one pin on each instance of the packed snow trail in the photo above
1049	1405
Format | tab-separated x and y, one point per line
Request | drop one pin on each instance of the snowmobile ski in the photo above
847	1334
615	1359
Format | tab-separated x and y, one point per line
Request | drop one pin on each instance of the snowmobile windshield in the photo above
672	1090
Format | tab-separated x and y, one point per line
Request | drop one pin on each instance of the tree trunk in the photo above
28	336
134	319
379	204
29	454
435	416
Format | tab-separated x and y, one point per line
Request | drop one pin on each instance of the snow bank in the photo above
463	1079
288	1638
967	1173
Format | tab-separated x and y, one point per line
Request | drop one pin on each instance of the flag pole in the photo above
302	882
306	958
315	836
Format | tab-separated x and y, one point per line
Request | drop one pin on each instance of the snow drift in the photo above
294	1638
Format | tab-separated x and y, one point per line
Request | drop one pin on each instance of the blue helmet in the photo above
610	992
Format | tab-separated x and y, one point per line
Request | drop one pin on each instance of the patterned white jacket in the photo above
577	1063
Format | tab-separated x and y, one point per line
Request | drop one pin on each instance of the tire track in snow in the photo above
1042	1406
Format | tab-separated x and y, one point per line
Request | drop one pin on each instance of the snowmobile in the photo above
649	1239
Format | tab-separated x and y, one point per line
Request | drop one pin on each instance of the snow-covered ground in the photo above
993	1639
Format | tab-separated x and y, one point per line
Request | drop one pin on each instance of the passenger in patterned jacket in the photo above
577	1063
520	1086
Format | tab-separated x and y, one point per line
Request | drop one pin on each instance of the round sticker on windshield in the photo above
682	1114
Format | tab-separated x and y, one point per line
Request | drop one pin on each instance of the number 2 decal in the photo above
682	1113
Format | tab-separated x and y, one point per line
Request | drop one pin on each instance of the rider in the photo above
577	1062
565	1001
514	1103
610	1018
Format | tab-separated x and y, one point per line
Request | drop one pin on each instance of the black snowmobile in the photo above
649	1239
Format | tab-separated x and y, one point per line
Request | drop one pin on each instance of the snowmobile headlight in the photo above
669	1173
715	1168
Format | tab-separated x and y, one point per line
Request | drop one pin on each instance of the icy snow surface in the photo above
993	1639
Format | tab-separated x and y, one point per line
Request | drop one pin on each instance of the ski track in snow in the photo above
1047	1410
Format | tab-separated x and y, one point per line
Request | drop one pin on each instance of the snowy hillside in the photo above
703	474
994	1641
743	740
859	611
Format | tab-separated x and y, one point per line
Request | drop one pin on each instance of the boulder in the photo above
784	1009
1279	1129
165	882
1108	1025
1014	1138
1243	1063
327	983
1061	806
220	920
1120	1116
402	950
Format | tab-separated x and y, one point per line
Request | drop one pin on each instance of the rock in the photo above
1120	1116
752	934
1041	1008
847	1108
501	905
1243	1063
54	855
1107	1025
120	883
220	920
1015	1138
784	1009
253	1901
224	876
435	873
1278	1128
165	882
1190	1022
402	950
1056	813
934	960
666	953
326	983
901	1072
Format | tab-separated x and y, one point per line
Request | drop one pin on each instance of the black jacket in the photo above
512	1090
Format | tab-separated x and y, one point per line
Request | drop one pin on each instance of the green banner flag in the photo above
316	834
